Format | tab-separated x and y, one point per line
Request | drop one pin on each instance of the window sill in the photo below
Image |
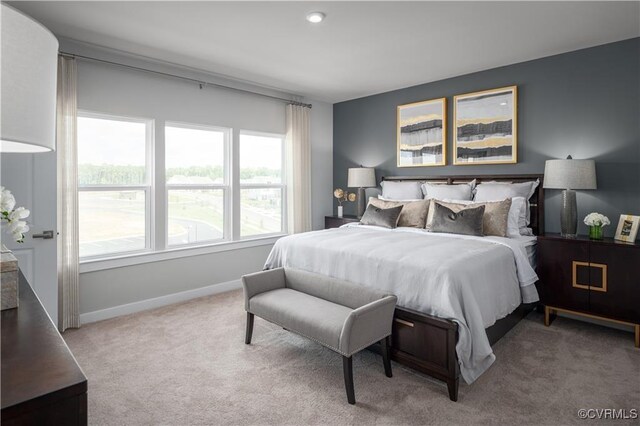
124	260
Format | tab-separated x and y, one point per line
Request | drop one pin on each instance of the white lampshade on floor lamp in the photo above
361	178
569	175
28	82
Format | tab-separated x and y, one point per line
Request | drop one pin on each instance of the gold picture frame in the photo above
421	139
485	127
627	228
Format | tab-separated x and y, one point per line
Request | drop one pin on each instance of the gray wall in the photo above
584	103
114	90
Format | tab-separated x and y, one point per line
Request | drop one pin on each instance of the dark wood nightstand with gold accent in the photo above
591	278
336	222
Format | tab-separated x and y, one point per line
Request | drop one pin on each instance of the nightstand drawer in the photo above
564	271
615	287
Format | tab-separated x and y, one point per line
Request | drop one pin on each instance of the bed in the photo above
456	294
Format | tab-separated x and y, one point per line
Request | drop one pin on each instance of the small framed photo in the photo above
627	228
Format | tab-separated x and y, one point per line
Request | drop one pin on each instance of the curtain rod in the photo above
201	83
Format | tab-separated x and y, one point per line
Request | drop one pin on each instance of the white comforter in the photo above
473	281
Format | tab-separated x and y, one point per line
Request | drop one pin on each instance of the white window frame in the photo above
146	187
156	208
282	186
226	186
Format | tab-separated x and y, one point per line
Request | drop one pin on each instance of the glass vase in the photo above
595	232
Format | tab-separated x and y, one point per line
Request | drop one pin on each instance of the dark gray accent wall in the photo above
584	103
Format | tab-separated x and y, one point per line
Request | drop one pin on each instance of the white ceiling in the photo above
360	49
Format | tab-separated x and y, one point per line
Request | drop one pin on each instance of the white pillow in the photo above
401	190
463	191
496	191
380	197
513	221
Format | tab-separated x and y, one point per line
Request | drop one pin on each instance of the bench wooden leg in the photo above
385	356
347	367
247	338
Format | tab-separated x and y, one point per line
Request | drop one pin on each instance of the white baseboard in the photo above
157	302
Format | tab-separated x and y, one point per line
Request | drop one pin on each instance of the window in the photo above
197	183
114	184
262	185
195	187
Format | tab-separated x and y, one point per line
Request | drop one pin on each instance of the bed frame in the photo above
427	343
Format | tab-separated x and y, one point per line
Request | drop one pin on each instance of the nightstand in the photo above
590	278
336	222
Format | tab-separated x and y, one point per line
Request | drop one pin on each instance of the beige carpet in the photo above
188	364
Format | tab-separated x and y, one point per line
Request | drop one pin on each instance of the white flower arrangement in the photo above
596	219
13	216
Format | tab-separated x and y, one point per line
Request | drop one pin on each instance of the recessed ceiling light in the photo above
315	17
503	103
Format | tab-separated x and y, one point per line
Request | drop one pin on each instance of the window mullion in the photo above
159	191
235	184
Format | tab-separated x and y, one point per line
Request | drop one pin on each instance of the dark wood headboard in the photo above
536	201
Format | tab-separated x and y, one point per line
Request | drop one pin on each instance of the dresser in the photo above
41	381
591	278
336	222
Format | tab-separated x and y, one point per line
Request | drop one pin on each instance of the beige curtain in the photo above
298	169
67	158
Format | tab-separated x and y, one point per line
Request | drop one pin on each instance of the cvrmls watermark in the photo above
608	413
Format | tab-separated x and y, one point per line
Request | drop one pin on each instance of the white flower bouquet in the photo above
13	215
596	219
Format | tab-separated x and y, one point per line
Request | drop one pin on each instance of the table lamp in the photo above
569	175
361	178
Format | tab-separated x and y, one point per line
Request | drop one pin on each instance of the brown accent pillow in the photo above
413	214
495	220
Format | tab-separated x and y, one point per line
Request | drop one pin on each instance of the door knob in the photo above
46	235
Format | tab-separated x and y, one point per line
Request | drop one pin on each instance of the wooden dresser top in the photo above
37	366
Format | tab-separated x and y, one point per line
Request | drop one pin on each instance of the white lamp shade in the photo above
361	177
570	174
28	77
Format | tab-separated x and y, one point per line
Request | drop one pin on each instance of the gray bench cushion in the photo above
312	317
338	291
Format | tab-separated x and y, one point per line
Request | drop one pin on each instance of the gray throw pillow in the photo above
496	215
385	218
466	221
413	214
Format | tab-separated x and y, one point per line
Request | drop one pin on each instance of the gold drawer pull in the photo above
403	322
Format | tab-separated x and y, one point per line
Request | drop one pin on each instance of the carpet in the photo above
187	364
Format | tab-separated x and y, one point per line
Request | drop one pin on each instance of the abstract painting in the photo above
486	127
422	133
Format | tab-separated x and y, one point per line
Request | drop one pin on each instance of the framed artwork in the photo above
422	133
486	127
627	228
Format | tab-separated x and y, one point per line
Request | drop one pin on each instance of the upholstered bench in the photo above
339	315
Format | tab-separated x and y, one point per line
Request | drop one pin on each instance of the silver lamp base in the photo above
362	202
569	214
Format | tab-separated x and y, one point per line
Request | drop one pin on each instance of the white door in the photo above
32	180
